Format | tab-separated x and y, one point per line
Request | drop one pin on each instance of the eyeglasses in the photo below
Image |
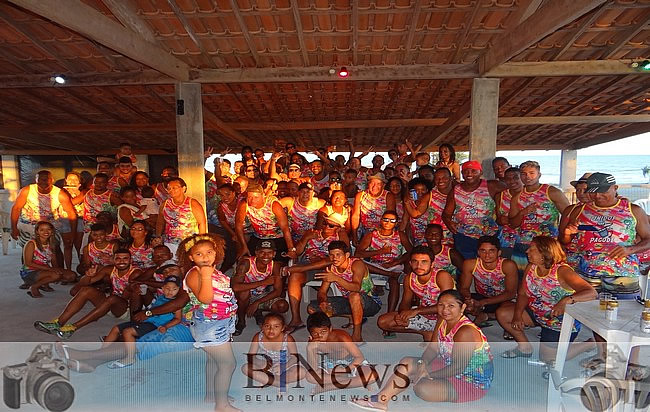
332	225
385	219
335	179
137	229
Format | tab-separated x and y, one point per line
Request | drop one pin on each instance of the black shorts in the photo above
280	245
492	308
141	328
341	305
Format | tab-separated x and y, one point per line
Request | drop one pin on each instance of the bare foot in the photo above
226	408
33	292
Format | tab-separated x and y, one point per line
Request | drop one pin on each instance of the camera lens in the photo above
53	392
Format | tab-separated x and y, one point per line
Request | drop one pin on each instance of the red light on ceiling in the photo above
343	73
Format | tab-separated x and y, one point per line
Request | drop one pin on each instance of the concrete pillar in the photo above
11	176
483	123
568	167
189	139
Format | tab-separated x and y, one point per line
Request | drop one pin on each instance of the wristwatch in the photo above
148	314
293	249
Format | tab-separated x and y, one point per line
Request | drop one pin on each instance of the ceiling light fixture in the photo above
343	73
58	79
641	65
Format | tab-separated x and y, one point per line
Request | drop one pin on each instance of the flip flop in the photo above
360	344
118	365
29	292
507	336
366	405
23	286
47	288
515	353
292	329
350	324
389	335
484	324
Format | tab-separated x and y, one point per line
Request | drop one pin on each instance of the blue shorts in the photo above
212	332
466	246
29	276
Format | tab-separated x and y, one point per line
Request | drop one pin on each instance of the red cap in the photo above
472	164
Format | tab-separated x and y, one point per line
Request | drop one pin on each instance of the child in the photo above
214	310
130	331
125	151
106	219
330	348
279	346
98	252
39	261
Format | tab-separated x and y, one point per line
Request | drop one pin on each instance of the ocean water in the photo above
626	169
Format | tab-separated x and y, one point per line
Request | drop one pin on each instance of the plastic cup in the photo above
604	297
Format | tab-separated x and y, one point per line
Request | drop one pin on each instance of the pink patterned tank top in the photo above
507	235
366	282
302	218
544	220
160	193
179	220
223	305
41	207
442	261
378	241
119	283
254	275
263	221
544	293
93	204
101	257
114	234
141	257
41	257
489	283
371	208
427	293
316	247
474	213
229	214
436	206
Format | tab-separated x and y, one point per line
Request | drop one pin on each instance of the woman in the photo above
569	241
139	181
180	216
397	188
129	210
337	209
420	210
139	244
549	285
76	191
436	374
447	158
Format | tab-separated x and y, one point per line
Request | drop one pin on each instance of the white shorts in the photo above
422	323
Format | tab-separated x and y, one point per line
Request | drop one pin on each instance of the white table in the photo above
621	336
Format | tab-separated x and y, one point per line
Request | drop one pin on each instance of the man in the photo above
425	282
100	198
124	171
152	278
427	173
508	235
258	286
385	251
369	206
109	170
470	209
167	174
334	183
268	221
442	186
377	163
312	248
118	276
404	173
536	209
495	280
352	278
302	210
445	257
320	179
499	167
570	242
607	230
40	202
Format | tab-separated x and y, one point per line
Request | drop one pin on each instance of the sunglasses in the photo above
290	147
385	219
293	169
335	179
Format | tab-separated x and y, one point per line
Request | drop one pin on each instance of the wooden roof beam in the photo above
87	21
301	36
127	14
547	19
463	36
631	130
587	23
627	35
244	31
190	32
355	33
415	16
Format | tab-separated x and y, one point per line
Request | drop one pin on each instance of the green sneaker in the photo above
47	327
65	331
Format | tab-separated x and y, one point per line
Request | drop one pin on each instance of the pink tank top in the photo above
102	257
120	283
442	261
301	219
41	206
474	213
544	293
263	220
114	234
179	220
371	209
160	193
223	305
42	257
544	220
507	235
316	247
254	275
377	241
93	204
489	283
366	282
437	206
141	257
427	293
229	214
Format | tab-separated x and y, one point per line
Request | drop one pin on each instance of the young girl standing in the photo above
214	310
39	267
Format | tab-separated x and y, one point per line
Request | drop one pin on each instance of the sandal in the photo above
29	292
484	324
515	353
294	328
350	324
507	336
119	365
366	405
388	334
46	288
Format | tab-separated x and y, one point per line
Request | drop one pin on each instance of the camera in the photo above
41	379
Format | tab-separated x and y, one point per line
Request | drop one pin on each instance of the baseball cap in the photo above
600	182
378	176
255	188
583	179
173	279
266	244
472	164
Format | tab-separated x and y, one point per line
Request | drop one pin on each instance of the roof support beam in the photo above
81	18
244	31
301	36
190	32
624	37
411	34
631	130
547	19
127	14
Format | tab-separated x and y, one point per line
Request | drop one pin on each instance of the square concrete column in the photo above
189	139
483	123
568	167
10	176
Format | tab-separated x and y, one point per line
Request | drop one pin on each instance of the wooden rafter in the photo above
547	19
587	22
89	102
564	68
14	60
81	18
205	56
126	12
244	31
411	33
627	35
523	11
463	36
48	49
355	33
301	37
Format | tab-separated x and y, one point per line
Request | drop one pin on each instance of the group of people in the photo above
448	245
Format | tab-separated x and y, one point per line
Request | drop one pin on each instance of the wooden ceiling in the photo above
264	65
